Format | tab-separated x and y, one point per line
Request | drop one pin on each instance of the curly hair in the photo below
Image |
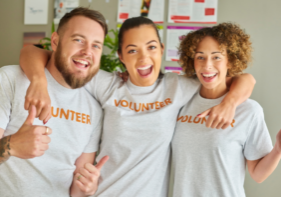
228	35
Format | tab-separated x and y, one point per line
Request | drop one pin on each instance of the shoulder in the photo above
250	109
11	70
252	106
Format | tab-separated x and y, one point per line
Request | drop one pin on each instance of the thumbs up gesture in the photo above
30	141
87	177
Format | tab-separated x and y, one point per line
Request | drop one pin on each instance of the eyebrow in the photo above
211	53
80	35
131	45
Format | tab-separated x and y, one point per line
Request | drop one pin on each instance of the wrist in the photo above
230	100
42	80
276	150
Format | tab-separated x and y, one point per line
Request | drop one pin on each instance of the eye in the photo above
78	40
96	46
132	51
200	58
152	47
217	58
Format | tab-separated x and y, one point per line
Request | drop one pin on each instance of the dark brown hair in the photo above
228	35
91	14
133	23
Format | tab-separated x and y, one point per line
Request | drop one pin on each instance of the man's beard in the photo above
70	78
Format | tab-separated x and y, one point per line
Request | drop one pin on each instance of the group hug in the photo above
70	129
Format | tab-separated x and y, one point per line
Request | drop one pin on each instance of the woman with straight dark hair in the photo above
140	114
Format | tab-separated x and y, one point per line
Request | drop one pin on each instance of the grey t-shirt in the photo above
139	123
211	162
76	125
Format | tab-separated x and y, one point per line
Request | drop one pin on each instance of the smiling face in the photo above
142	55
211	64
78	49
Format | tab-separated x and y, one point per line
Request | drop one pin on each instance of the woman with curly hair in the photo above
211	162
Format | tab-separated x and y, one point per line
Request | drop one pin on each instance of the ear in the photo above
120	57
55	41
162	48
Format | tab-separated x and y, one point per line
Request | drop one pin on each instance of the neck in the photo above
214	93
56	73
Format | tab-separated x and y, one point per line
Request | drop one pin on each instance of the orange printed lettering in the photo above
62	112
180	118
189	120
126	103
203	120
162	104
196	122
130	106
233	121
145	106
78	117
157	105
88	120
137	110
55	115
116	104
151	105
184	119
167	101
72	114
83	118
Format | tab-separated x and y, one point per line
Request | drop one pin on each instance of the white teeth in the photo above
209	75
144	68
82	62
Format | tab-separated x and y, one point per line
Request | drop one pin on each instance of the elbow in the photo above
251	77
259	180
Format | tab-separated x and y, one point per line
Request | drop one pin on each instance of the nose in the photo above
87	50
143	54
208	63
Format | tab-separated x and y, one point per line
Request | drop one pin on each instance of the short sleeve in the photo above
258	143
100	85
6	97
188	87
94	142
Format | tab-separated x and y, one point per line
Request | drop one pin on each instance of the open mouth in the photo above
145	71
209	77
82	64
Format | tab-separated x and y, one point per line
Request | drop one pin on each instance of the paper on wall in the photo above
193	11
175	34
61	7
153	9
36	12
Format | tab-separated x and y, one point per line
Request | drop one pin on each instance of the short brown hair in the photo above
228	35
91	14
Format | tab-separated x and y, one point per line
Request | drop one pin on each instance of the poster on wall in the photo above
62	7
31	38
193	11
153	9
175	35
36	12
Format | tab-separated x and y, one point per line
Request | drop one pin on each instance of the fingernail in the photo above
199	115
44	122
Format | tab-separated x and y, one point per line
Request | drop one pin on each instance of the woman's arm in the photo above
221	116
33	61
86	175
260	169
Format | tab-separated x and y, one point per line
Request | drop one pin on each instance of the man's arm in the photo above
28	142
4	147
86	175
260	169
221	116
33	61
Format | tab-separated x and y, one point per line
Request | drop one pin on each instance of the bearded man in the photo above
56	159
